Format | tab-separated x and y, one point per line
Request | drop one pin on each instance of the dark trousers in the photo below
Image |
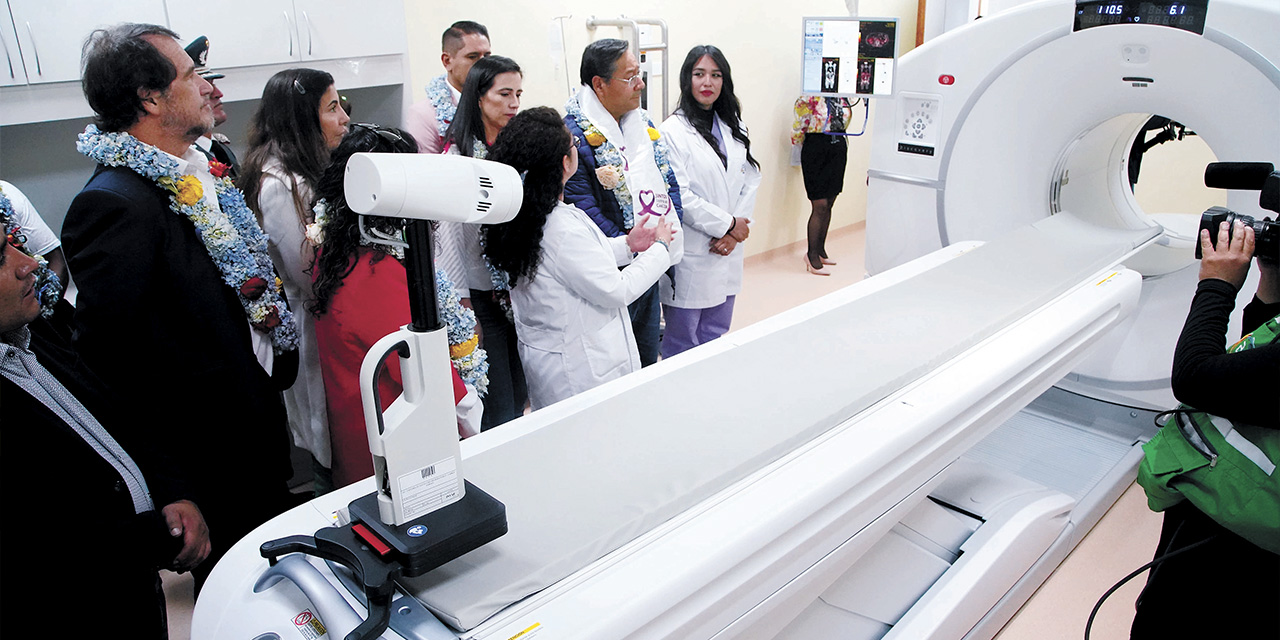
508	392
646	314
1227	588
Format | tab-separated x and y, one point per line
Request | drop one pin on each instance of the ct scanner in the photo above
907	458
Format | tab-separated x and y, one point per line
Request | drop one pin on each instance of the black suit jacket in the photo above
72	520
156	322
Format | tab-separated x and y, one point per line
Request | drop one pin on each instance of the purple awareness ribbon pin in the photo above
653	204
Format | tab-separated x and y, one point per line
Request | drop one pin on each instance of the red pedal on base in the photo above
370	537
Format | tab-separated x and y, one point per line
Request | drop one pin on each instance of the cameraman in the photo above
1227	587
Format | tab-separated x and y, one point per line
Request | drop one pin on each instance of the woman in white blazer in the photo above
568	295
718	177
298	123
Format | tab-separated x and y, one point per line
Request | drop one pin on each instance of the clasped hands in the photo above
738	232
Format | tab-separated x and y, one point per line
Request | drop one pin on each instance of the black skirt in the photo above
822	161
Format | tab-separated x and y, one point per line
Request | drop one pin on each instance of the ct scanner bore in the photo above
1039	121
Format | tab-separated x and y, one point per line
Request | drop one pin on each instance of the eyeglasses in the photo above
384	133
632	81
577	142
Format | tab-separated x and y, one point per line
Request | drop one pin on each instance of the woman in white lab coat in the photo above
298	123
711	155
567	292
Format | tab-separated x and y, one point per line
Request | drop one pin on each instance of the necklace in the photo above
442	99
611	165
48	287
230	233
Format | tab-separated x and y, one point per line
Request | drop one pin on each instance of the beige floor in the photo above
776	281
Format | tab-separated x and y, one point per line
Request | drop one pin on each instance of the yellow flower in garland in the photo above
186	190
464	349
594	138
654	134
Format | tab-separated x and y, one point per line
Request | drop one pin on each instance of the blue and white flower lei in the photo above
460	323
607	154
497	278
441	97
231	236
48	287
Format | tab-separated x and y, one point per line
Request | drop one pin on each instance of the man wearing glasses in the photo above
623	176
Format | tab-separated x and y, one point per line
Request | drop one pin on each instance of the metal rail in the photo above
634	24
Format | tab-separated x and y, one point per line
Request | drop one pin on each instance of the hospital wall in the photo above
760	38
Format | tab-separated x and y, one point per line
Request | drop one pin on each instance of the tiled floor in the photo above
1122	541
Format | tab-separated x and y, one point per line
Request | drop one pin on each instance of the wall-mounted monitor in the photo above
850	57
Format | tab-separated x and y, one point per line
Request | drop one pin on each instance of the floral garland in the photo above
464	350
611	165
441	97
471	361
48	287
498	278
231	235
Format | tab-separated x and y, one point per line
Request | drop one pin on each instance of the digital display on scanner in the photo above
1187	15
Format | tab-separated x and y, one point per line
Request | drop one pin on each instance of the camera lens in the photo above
1266	233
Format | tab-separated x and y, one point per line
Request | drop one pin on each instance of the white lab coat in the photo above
712	195
292	255
571	317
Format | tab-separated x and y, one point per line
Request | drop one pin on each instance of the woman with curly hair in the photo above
360	293
297	124
567	292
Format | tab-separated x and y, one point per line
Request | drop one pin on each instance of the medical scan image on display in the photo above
849	56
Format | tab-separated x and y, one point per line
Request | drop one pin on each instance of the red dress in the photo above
372	302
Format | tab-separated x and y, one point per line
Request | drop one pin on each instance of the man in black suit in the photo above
156	318
88	513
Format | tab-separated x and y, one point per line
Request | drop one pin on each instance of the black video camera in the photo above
1254	176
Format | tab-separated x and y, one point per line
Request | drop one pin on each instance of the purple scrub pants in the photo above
688	328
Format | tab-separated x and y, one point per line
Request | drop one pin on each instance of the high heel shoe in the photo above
827	261
808	266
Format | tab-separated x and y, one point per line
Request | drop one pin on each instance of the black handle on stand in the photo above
341	545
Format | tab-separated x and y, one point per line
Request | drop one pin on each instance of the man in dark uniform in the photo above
215	145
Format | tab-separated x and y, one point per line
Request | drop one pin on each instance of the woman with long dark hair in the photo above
298	122
360	293
490	97
567	293
711	156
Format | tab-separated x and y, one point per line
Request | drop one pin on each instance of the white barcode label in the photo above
429	488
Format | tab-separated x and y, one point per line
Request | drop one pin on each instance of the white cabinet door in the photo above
11	71
241	33
51	33
330	29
